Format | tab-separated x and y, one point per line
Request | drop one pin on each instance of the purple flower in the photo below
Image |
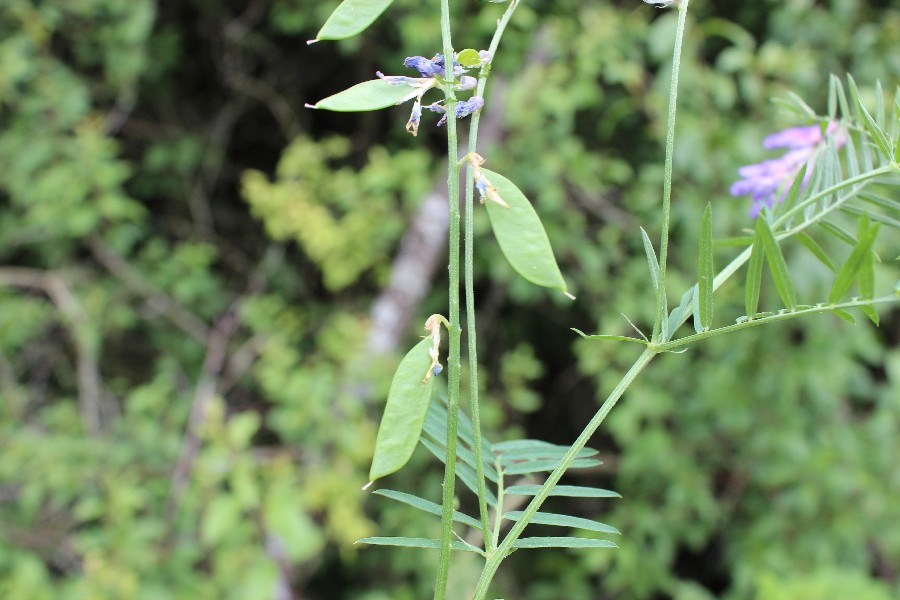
427	68
763	180
463	109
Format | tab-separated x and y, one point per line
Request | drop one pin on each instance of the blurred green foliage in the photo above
187	260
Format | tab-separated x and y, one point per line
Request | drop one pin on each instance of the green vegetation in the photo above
191	372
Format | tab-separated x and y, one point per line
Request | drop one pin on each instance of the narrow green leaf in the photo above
678	313
874	130
850	269
618	338
572	491
652	261
794	191
738	240
867	276
351	17
368	95
837	231
844	315
535	466
777	265
841	96
427	506
851	153
816	249
890	204
521	235
855	211
404	413
869	311
561	542
754	275
552	452
544	518
706	271
509	445
411	542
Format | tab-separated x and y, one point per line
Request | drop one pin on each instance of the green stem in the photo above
470	285
662	311
453	362
782	315
503	550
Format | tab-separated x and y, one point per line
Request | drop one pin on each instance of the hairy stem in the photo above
453	362
662	311
503	550
470	283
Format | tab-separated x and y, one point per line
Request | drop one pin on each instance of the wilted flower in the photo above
463	109
763	180
431	69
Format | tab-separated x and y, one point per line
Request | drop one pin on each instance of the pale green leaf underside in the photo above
404	413
534	466
368	95
571	491
542	518
521	235
411	542
426	506
561	542
351	17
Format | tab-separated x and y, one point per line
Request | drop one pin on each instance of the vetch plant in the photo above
843	163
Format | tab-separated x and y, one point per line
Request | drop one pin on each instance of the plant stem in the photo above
470	284
662	311
453	362
502	551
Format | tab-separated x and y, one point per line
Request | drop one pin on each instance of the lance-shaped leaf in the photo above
368	95
777	264
652	261
878	135
542	518
404	413
816	249
521	235
572	491
706	272
427	506
851	267
410	542
561	542
351	17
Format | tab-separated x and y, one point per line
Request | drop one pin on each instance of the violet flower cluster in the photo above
762	181
433	71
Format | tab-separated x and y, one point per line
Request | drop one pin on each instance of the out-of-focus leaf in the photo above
706	271
411	542
850	269
351	17
777	265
